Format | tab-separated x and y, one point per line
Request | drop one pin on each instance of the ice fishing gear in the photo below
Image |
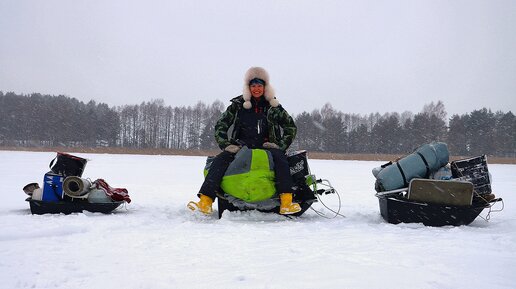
456	193
420	164
64	191
52	187
454	198
396	207
30	188
473	170
67	165
76	187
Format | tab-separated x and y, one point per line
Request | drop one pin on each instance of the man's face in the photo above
256	90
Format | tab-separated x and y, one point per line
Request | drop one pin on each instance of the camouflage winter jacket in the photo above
282	129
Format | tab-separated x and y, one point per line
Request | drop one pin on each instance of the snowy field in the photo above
154	242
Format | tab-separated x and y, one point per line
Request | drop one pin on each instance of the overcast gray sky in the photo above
361	56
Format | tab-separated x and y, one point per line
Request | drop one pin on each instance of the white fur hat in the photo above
258	72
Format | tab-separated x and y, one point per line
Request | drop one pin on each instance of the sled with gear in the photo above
425	188
65	191
249	183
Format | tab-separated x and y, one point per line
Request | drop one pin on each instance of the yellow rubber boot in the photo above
287	207
203	205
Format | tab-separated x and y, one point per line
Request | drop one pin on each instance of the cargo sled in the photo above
423	188
65	192
433	203
306	188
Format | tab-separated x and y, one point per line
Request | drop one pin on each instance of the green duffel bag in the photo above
250	177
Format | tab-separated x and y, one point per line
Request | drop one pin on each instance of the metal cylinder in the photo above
76	187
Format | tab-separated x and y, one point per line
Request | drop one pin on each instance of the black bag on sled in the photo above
67	165
473	170
298	164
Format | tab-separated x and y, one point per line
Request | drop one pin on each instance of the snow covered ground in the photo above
154	242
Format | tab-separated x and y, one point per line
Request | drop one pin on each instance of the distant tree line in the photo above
475	133
44	120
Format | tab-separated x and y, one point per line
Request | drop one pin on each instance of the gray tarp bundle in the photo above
420	164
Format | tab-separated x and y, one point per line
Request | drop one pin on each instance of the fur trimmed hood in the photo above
269	93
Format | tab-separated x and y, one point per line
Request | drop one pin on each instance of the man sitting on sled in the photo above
256	120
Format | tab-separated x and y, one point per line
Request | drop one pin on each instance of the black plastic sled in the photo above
397	209
69	207
305	190
434	203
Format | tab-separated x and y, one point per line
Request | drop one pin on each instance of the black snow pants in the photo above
211	184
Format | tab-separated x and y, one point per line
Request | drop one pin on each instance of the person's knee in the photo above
277	153
224	156
279	156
